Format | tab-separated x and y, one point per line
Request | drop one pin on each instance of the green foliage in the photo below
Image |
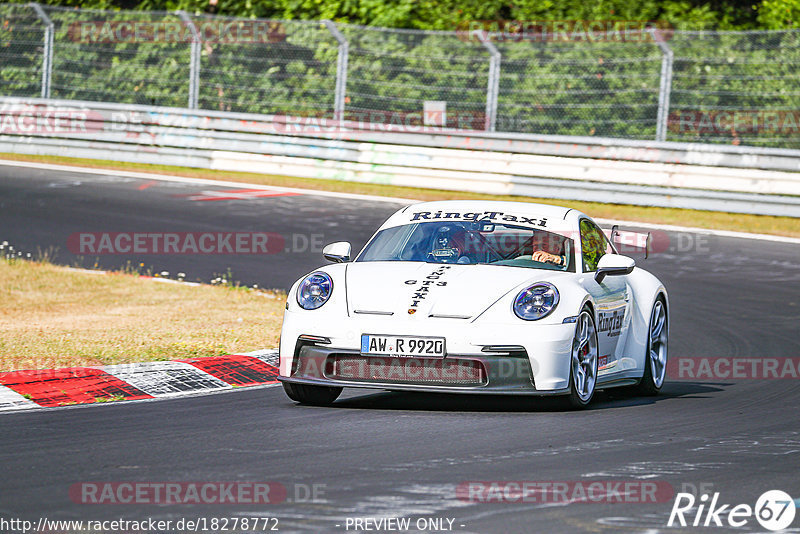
606	88
450	14
21	38
779	14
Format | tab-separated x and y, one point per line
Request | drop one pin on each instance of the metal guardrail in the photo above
735	179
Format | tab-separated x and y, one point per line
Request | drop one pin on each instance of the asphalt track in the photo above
395	455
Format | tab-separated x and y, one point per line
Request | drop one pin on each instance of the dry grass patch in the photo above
763	224
51	316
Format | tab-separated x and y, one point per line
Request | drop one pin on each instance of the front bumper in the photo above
501	373
543	350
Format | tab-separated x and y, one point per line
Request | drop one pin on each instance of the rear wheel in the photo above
314	395
655	363
583	361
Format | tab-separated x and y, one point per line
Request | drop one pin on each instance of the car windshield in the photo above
472	243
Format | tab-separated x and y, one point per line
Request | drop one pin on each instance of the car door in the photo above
611	296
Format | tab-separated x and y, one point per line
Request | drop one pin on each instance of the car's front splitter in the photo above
497	374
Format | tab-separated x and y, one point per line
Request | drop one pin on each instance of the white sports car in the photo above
475	297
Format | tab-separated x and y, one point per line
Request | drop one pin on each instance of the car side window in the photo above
594	245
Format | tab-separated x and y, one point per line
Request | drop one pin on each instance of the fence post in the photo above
47	60
341	70
493	85
665	87
194	61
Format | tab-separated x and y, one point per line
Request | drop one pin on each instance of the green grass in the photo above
52	316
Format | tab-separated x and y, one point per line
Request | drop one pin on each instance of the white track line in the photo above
393	200
85	271
200	181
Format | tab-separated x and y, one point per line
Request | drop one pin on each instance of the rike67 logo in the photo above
774	510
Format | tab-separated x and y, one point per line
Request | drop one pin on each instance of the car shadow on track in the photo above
621	397
445	402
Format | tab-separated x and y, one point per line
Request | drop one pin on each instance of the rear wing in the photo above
629	242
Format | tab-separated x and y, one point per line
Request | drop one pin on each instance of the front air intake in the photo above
427	371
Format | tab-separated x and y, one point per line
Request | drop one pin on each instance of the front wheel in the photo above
583	361
655	362
314	395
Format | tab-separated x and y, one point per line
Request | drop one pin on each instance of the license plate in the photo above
404	346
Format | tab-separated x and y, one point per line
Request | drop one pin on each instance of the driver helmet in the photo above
444	246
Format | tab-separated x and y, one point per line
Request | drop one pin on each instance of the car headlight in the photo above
536	301
314	291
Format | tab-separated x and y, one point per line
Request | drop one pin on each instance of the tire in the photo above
655	363
313	395
583	361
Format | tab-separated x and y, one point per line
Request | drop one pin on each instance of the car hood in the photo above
431	289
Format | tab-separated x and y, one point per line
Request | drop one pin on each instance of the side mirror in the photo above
338	252
613	265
